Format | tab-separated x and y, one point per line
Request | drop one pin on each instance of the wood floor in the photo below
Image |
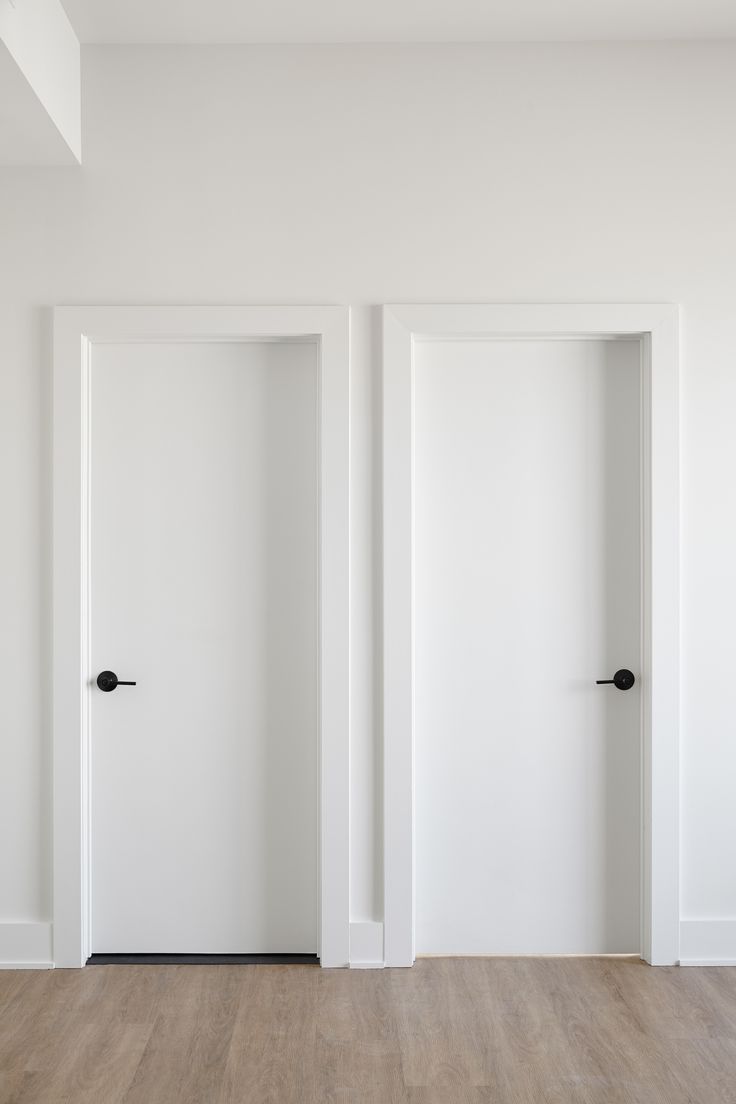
511	1031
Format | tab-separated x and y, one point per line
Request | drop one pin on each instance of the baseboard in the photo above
366	945
25	946
708	943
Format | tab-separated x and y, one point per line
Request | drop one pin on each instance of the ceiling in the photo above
240	21
27	134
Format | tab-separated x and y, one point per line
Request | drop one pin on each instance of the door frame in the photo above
76	332
657	327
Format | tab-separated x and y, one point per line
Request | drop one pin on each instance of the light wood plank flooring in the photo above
511	1031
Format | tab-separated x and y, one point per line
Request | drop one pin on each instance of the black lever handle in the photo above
108	680
622	680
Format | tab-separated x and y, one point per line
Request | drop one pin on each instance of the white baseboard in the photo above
28	946
366	945
708	943
25	946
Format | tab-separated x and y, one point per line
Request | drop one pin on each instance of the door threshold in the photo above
532	954
203	960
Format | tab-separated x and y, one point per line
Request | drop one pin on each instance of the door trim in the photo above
76	331
657	326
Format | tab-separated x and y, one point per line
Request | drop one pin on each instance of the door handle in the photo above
108	680
622	680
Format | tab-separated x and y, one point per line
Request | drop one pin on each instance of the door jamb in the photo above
657	326
76	331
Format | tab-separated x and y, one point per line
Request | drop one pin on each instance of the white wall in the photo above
360	175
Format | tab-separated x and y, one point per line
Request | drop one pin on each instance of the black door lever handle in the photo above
622	680
108	680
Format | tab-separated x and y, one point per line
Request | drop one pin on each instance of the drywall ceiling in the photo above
225	21
28	136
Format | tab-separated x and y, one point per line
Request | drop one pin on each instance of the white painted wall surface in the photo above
362	175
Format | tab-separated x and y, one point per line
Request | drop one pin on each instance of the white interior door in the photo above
204	569
527	590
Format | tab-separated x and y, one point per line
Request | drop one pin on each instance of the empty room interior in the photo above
367	405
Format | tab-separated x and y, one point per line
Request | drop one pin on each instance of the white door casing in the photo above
76	332
656	328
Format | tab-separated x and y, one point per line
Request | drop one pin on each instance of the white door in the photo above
204	569
527	590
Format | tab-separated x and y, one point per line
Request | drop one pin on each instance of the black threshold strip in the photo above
203	960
